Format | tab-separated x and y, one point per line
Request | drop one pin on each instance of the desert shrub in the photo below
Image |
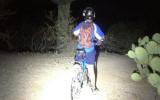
121	35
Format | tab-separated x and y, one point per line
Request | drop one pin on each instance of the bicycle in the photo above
81	76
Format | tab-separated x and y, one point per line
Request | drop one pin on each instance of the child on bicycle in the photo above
87	32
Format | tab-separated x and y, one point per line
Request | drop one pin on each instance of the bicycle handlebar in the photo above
99	43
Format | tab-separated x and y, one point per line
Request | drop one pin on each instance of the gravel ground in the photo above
28	76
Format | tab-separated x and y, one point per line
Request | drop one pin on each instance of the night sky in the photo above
111	11
107	11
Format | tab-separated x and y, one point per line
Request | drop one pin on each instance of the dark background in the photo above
30	16
107	11
111	11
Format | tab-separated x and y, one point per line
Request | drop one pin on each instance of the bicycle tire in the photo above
76	86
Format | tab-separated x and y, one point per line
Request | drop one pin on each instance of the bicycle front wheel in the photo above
76	86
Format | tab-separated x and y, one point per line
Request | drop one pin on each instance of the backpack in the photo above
86	34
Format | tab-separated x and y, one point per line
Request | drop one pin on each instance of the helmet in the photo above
89	13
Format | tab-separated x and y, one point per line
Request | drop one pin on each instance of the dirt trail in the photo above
27	76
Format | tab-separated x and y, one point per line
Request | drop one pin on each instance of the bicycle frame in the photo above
80	76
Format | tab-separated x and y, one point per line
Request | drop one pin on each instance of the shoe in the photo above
94	90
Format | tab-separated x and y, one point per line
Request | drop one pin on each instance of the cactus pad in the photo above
157	50
139	40
141	55
136	77
155	63
154	80
158	90
151	47
133	47
156	37
131	54
144	41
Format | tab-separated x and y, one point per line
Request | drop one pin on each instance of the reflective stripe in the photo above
95	33
76	30
76	33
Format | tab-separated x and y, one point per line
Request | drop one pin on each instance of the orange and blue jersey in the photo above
90	52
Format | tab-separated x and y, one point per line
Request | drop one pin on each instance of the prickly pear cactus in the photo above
146	53
155	64
154	80
141	55
133	46
156	37
143	41
136	76
151	47
131	54
158	90
157	51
